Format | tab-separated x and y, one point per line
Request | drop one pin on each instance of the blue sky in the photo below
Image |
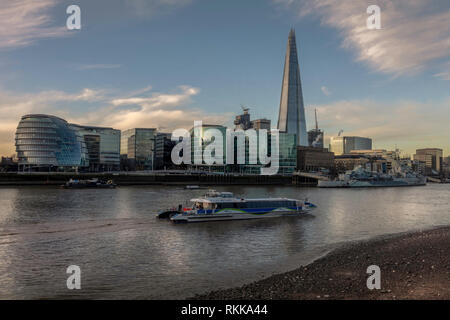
166	63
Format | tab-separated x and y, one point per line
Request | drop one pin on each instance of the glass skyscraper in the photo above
291	118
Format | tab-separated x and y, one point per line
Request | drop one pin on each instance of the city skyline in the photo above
148	65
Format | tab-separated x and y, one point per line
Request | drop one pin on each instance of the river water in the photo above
125	253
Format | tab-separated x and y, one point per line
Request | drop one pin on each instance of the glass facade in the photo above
344	145
287	153
47	141
103	146
291	118
163	151
138	145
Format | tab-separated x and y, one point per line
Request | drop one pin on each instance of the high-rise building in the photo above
315	136
291	118
137	148
344	145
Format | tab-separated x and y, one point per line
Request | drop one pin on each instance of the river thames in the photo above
124	252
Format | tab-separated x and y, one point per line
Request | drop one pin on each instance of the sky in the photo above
165	63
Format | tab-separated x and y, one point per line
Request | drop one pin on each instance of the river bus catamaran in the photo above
220	206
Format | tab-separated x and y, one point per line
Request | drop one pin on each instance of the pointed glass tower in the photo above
291	118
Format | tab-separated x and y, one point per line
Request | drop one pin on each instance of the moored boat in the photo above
90	183
362	178
221	206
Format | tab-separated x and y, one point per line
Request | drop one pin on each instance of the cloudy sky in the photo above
166	63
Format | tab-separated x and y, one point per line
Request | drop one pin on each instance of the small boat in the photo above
90	183
222	206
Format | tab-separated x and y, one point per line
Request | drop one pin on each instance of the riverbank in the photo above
413	266
153	178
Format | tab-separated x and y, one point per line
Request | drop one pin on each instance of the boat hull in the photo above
226	215
371	184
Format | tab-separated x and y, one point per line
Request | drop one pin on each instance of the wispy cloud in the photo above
22	22
149	8
443	75
325	91
99	66
410	124
415	34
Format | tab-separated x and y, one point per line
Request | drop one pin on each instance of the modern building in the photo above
432	157
137	148
261	124
316	136
287	153
103	147
291	118
344	145
314	159
163	151
198	148
45	142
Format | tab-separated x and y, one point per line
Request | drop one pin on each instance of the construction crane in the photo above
340	132
244	108
317	124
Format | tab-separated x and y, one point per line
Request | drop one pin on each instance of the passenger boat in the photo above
220	206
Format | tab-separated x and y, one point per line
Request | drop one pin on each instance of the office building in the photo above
260	124
314	159
137	148
102	145
344	145
45	143
163	151
291	117
432	158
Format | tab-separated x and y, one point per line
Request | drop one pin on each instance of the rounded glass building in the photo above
49	141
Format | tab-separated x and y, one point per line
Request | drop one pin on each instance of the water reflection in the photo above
124	252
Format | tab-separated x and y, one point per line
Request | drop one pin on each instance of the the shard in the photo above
291	118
